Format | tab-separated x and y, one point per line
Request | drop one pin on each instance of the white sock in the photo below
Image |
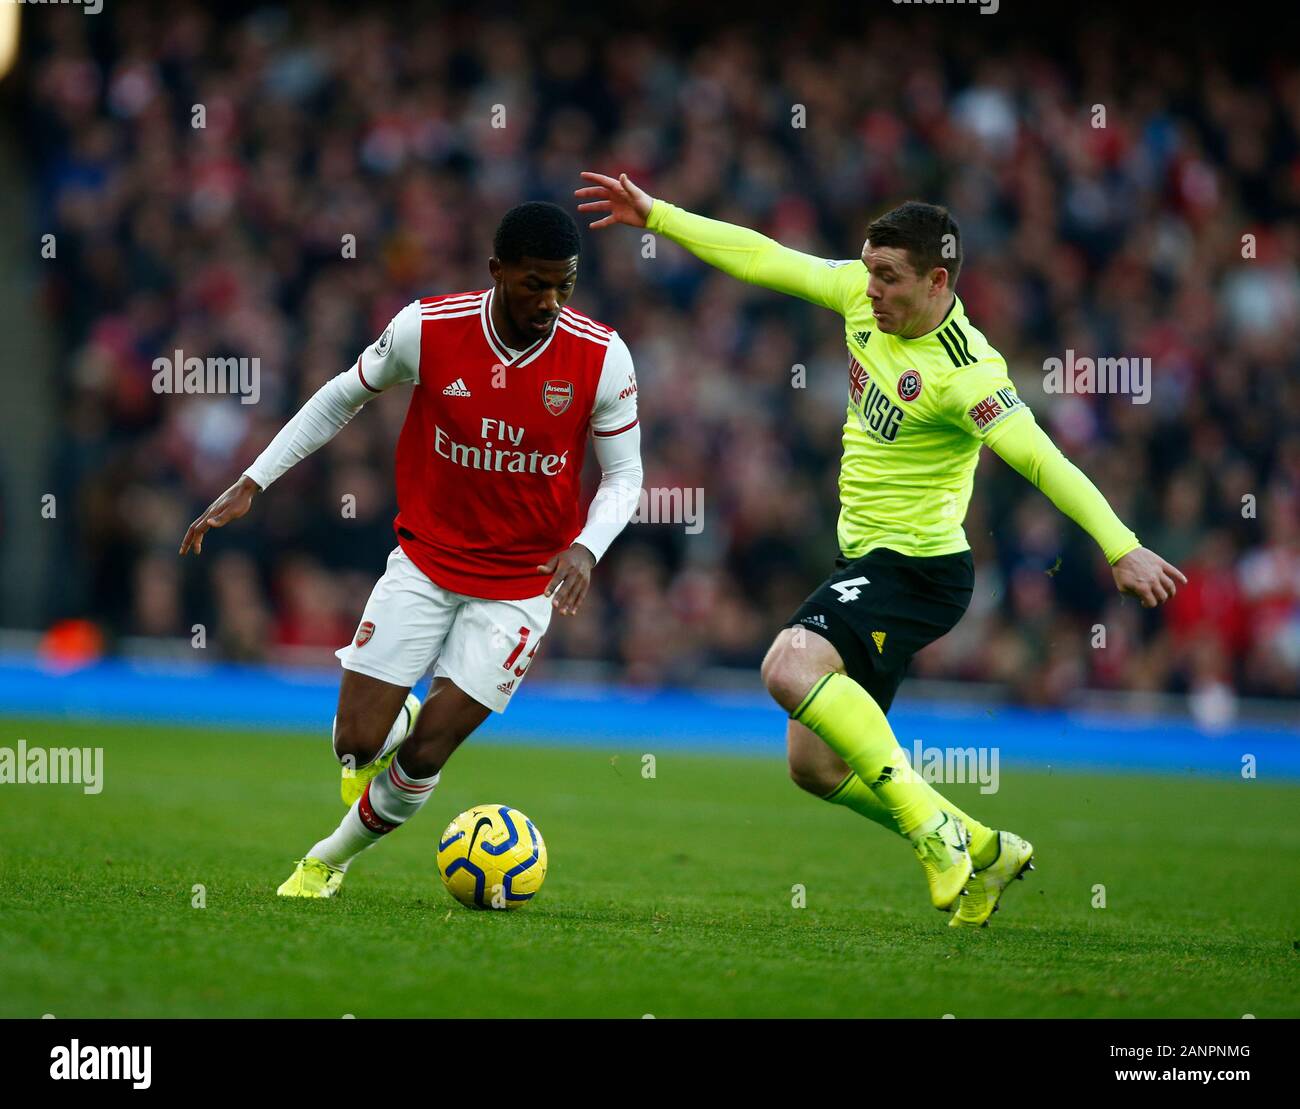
346	842
395	796
390	800
397	732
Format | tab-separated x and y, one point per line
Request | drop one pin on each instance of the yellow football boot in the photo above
312	878
1015	857
354	781
946	861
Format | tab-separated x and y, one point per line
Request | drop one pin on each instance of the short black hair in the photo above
927	232
536	229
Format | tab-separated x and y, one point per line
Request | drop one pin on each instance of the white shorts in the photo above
411	626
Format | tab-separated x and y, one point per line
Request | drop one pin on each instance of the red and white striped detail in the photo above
455	300
451	307
584	328
406	785
616	431
578	319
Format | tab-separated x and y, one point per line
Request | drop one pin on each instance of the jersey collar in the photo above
507	355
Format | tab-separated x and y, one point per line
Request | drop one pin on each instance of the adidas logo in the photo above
457	389
506	687
862	337
818	621
878	638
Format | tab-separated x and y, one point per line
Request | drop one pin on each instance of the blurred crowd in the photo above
321	123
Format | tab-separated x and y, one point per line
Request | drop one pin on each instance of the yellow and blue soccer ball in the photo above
492	857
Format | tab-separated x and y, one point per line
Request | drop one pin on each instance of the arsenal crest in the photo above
364	633
557	396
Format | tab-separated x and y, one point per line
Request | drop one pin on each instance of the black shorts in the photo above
877	625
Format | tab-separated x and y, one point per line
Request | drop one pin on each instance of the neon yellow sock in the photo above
847	717
853	794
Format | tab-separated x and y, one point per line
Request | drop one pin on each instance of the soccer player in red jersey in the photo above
509	382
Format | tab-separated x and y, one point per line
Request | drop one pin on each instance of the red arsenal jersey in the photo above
490	457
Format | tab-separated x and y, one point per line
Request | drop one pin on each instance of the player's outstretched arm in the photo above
391	360
738	251
1029	450
314	425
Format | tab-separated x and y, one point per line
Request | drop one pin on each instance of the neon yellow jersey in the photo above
918	409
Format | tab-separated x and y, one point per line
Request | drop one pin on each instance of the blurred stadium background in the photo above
325	120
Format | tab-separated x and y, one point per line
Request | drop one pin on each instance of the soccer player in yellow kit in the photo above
925	391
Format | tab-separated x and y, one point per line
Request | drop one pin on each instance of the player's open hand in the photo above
1147	576
570	578
624	202
231	505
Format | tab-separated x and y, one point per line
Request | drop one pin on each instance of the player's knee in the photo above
782	674
356	744
770	671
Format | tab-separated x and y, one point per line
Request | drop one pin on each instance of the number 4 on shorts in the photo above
848	590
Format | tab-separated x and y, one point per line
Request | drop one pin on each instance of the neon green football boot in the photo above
988	883
312	878
354	781
946	861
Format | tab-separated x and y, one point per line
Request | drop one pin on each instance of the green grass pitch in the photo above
669	896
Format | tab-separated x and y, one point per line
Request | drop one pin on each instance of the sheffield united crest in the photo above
557	396
909	385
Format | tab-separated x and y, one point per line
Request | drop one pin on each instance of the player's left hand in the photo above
1147	577
570	578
